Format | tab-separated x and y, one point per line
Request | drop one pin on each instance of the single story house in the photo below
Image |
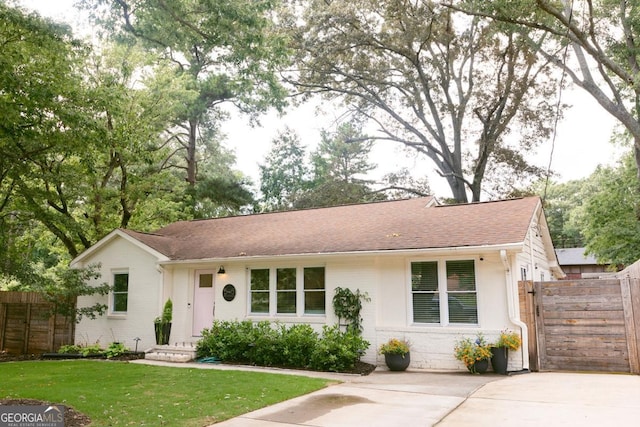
434	273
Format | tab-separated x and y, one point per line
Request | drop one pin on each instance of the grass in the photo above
119	393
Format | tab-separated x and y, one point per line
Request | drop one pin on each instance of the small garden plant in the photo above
394	346
469	351
510	340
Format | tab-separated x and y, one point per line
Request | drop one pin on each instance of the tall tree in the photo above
611	226
226	50
603	37
447	86
285	175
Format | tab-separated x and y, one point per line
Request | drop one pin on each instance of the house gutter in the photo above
511	305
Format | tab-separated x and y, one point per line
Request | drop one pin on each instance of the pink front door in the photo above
203	301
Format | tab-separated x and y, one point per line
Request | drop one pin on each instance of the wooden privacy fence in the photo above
27	325
585	325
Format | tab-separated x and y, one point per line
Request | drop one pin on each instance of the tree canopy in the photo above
469	94
602	37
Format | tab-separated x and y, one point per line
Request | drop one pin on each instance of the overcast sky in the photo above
582	140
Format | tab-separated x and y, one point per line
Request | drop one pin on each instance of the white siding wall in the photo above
386	279
144	304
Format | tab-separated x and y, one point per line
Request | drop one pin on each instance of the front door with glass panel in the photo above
203	301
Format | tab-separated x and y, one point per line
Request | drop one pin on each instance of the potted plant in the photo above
396	354
474	354
163	324
500	350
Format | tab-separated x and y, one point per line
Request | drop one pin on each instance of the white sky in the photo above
582	141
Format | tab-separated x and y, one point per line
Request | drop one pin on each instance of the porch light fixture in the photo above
221	270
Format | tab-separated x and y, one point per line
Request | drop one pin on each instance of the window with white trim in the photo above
120	293
260	291
314	290
287	291
452	281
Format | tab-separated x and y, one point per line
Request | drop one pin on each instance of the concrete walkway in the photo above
420	398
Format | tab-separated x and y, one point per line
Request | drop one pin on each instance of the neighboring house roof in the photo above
575	256
382	226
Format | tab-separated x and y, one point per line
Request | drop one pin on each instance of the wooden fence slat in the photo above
27	325
627	306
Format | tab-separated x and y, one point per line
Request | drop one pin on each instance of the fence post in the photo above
631	309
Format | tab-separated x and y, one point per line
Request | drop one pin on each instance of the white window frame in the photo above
443	292
273	291
112	293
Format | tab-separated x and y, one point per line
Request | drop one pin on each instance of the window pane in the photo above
461	276
286	279
314	302
120	303
260	280
206	281
121	282
286	302
260	302
424	276
463	308
461	287
314	278
426	308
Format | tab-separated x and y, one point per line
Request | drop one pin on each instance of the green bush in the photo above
84	350
115	349
297	346
337	351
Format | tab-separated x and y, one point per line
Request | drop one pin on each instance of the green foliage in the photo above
442	84
347	305
297	346
167	313
470	351
612	212
510	340
115	349
337	351
394	346
150	395
85	350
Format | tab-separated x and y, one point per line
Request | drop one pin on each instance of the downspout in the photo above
511	305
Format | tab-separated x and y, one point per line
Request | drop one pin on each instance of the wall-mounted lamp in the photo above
221	270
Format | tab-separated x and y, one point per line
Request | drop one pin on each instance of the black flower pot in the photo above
163	330
397	362
479	367
499	360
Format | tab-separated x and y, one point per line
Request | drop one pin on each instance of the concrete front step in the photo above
180	352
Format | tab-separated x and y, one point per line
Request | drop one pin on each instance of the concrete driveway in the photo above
421	398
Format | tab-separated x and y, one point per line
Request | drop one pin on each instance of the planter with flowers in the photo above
396	354
474	354
500	350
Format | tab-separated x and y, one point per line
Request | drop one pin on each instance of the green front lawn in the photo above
118	393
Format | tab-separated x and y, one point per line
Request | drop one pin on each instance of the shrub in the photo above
84	350
115	349
297	346
337	351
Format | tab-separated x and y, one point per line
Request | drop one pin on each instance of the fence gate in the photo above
585	325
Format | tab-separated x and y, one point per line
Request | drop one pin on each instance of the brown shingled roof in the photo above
383	226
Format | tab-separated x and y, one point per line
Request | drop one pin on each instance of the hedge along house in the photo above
433	273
